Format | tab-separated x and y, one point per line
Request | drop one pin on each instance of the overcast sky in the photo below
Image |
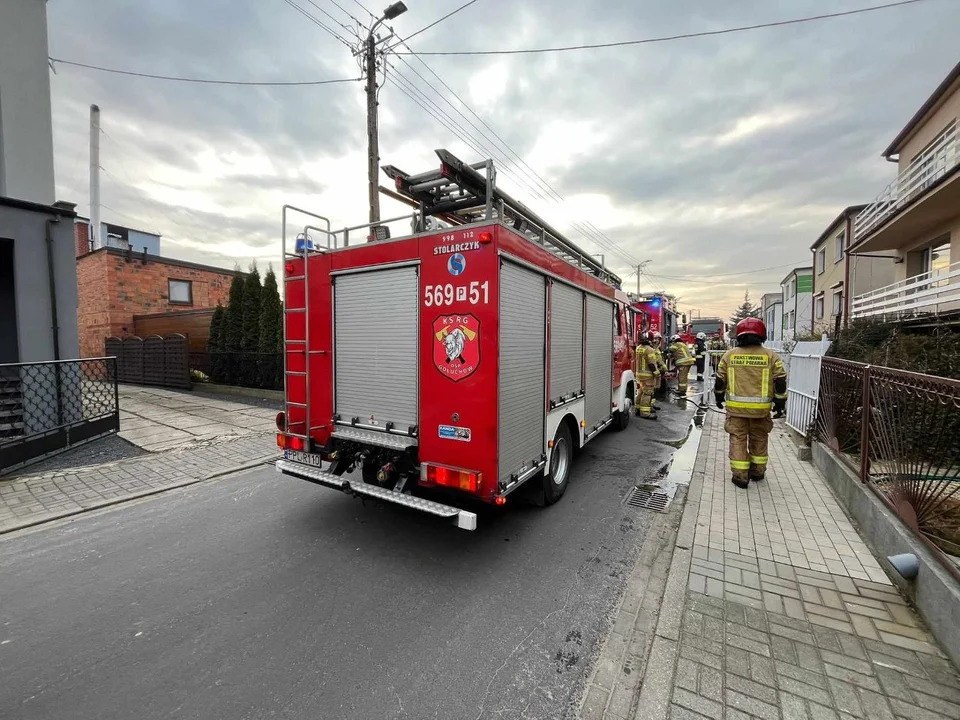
705	156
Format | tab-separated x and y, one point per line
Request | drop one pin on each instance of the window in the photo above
180	292
837	301
936	260
821	261
820	307
839	247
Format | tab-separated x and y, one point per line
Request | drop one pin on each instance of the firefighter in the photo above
660	381
700	352
751	380
646	372
682	358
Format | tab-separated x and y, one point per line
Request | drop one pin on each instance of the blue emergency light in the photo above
655	303
304	241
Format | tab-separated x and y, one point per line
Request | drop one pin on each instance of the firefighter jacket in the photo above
681	353
646	363
701	348
658	358
751	377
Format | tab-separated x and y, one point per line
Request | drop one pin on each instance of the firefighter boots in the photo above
740	479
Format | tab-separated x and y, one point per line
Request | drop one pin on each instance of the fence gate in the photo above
803	384
154	361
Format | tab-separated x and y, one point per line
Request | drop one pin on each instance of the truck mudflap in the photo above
463	519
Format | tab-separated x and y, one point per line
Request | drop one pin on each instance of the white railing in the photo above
928	167
925	292
803	383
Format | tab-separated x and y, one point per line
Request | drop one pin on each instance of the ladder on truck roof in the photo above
460	193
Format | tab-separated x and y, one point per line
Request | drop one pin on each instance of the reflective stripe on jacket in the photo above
658	358
681	353
646	359
749	374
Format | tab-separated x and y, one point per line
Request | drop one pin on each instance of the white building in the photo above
26	127
797	288
771	306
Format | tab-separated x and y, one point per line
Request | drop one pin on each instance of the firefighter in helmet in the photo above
682	358
660	381
751	380
700	352
646	372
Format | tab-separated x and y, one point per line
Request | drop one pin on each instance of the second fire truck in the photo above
455	365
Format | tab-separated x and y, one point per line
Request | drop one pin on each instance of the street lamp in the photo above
373	141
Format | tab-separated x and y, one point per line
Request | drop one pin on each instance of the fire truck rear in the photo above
449	366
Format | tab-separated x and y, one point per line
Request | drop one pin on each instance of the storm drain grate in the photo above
647	500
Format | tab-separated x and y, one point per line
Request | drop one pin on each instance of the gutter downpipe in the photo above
847	289
53	315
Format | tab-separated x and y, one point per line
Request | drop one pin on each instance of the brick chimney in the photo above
81	235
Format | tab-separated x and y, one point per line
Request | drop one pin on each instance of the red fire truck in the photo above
713	327
660	310
450	365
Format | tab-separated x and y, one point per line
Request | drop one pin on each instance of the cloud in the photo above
705	156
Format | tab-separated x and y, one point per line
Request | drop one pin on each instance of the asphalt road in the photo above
261	596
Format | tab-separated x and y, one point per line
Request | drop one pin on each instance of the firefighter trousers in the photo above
682	372
645	395
700	365
748	445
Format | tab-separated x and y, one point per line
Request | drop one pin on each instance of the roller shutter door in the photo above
599	360
566	341
522	372
375	346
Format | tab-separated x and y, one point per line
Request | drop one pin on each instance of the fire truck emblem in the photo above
456	349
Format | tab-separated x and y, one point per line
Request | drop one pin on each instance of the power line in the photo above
348	29
435	22
317	22
593	234
743	272
669	38
205	81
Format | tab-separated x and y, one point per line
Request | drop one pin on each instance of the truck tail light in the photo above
289	442
281	421
458	479
485	237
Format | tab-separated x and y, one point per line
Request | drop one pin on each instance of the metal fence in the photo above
49	406
901	431
255	370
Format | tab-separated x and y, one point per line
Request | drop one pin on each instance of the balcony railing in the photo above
937	290
940	158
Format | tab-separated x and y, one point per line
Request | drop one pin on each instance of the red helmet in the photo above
752	326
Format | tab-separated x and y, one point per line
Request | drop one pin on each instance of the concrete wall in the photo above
932	126
934	592
26	129
27	229
868	274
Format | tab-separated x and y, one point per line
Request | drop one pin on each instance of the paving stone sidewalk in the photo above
31	499
158	419
774	608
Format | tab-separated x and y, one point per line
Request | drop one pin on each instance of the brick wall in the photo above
93	307
81	235
113	288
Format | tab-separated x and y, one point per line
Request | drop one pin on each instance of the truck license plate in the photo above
303	457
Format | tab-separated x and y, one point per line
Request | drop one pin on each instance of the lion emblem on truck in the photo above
456	352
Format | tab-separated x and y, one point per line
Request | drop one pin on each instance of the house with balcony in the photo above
839	275
915	221
771	310
797	291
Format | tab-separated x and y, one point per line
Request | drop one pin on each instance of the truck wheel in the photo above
561	459
621	418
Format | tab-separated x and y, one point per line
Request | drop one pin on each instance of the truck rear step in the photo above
462	518
375	437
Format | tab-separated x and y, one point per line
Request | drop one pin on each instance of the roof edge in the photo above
844	214
161	260
934	98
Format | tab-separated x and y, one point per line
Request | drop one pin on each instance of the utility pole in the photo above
640	268
373	130
373	137
95	238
